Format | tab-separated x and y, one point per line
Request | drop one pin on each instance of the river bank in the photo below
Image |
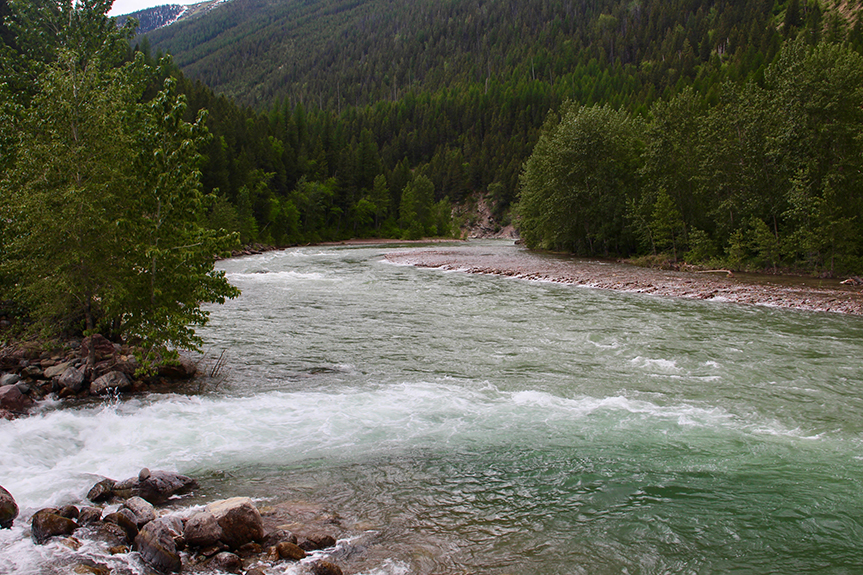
780	291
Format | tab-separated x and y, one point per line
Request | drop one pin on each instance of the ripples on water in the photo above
475	424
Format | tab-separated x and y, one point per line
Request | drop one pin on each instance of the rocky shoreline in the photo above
791	293
30	373
225	536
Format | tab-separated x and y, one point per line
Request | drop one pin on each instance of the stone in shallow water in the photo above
48	523
202	530
239	519
155	543
8	509
159	486
325	568
142	510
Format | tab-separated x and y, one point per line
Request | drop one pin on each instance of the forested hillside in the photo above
336	92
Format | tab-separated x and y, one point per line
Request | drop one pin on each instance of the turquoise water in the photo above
477	424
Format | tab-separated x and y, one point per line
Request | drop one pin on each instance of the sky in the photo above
128	6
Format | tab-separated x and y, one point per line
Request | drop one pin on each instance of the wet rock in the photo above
69	512
290	551
114	380
123	522
325	568
87	515
102	491
155	542
72	379
142	510
109	533
202	530
317	541
225	561
239	519
159	486
8	509
273	538
11	399
250	549
183	368
48	523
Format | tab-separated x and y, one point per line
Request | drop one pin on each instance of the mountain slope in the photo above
338	53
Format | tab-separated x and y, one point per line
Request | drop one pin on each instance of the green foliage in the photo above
101	198
770	176
577	183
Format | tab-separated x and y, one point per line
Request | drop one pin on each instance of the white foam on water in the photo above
664	365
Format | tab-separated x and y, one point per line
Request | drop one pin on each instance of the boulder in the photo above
8	509
87	515
57	370
123	521
155	542
48	523
72	379
109	533
102	491
113	380
273	538
325	568
159	486
182	368
11	399
142	509
290	551
202	530
103	347
225	562
239	519
9	379
317	541
127	364
69	512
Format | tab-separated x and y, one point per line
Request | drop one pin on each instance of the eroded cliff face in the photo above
479	221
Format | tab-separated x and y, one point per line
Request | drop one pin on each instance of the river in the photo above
463	424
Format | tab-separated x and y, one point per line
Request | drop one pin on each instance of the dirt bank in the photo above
785	292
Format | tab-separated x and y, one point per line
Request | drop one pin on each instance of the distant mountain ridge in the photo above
151	19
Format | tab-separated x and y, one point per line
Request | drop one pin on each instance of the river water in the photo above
464	424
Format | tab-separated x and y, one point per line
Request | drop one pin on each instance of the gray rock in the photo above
239	519
155	543
57	370
202	530
8	509
159	486
48	523
9	379
142	510
72	379
114	380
